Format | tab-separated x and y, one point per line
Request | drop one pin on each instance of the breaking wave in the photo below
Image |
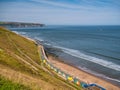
96	60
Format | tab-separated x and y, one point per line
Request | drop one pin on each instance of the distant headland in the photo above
20	24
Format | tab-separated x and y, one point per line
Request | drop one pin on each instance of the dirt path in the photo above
28	61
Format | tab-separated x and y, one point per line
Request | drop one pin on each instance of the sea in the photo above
94	49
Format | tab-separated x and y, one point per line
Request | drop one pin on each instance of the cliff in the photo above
20	24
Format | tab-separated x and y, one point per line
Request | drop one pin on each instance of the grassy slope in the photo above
21	55
9	85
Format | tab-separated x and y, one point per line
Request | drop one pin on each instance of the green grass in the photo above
9	42
9	85
12	44
14	63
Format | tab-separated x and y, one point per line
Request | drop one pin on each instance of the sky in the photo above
61	12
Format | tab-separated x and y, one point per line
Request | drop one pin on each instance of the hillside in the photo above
9	85
20	64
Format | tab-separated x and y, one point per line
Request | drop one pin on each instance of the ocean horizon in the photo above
95	49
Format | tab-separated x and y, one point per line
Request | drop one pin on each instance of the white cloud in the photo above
64	5
32	12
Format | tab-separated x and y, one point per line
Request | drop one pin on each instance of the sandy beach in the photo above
82	75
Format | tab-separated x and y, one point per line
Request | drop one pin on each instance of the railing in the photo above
65	75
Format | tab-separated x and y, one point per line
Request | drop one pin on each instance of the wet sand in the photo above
80	74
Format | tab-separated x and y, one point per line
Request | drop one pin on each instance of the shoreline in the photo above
74	71
61	60
81	74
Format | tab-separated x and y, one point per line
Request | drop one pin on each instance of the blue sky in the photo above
62	12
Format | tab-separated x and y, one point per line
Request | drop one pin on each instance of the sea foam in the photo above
96	60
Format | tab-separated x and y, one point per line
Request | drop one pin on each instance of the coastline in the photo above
80	74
